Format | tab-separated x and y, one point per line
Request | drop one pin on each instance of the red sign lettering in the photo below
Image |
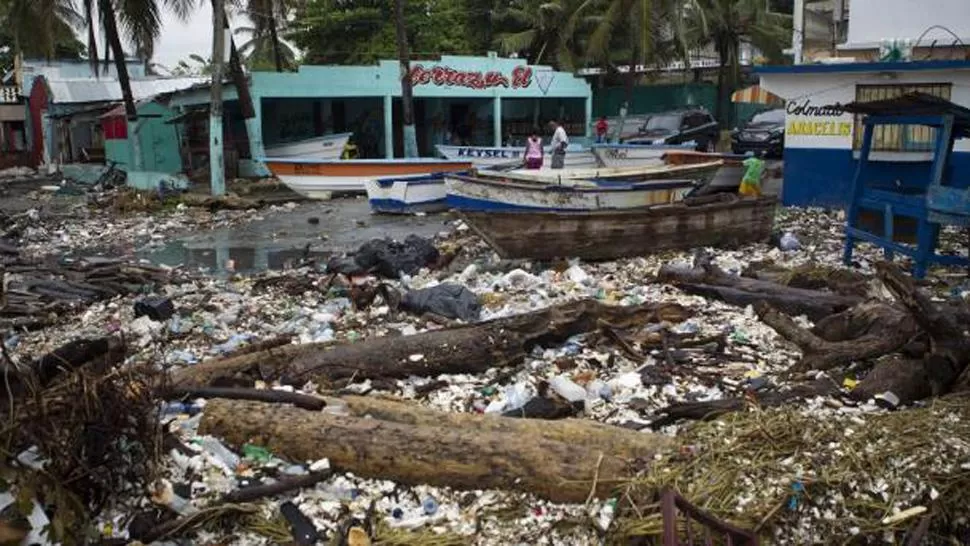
445	76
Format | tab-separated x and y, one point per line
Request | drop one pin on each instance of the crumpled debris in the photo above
448	300
391	258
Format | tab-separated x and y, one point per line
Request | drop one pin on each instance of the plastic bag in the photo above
448	300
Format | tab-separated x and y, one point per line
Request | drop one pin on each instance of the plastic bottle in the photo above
789	242
429	505
220	453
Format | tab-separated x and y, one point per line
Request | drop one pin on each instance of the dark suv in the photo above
764	133
678	127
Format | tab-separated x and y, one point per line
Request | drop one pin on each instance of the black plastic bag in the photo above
391	258
448	300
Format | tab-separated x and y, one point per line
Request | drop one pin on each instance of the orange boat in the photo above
319	179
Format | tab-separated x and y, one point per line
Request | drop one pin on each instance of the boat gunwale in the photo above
697	204
333	136
645	185
399	160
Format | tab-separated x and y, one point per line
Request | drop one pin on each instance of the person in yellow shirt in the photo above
754	168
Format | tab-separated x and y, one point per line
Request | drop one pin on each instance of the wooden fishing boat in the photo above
700	173
322	147
725	180
407	194
320	179
723	220
577	157
635	155
483	194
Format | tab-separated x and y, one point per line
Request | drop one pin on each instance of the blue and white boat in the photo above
407	194
483	194
577	155
635	155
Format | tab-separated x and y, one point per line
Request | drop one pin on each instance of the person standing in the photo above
602	128
559	143
533	152
751	182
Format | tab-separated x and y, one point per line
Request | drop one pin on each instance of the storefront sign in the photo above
816	125
444	76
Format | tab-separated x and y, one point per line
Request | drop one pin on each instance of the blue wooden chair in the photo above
932	202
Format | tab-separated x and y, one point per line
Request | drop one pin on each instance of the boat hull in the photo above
717	220
407	195
324	147
701	173
320	179
727	178
486	156
632	155
478	194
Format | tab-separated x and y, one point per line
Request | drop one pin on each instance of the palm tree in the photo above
546	31
260	49
39	27
726	24
269	18
407	107
217	174
141	22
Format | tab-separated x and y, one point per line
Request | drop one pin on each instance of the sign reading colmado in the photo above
807	119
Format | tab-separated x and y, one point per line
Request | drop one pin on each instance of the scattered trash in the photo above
157	309
304	533
429	505
887	400
789	242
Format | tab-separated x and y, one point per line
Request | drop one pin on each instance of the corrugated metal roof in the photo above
73	91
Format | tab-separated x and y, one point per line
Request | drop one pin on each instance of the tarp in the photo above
755	95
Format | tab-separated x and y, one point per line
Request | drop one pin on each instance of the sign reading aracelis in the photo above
445	76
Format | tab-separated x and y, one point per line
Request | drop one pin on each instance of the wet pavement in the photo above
276	239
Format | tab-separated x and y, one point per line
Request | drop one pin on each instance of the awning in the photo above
755	95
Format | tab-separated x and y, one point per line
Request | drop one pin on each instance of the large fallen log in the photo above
883	330
464	349
708	280
102	352
578	431
436	454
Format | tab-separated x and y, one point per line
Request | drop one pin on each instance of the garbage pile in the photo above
399	345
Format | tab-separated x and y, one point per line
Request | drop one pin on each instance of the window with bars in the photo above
898	138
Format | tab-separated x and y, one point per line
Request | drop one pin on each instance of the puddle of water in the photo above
283	239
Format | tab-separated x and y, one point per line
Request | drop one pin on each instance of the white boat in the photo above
481	194
407	194
322	147
701	173
319	179
635	155
577	156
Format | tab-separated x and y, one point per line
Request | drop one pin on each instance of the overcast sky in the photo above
181	39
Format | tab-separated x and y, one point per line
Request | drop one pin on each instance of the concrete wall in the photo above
873	20
819	167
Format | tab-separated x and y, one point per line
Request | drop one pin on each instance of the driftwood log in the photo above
919	348
465	349
102	352
706	279
869	330
439	453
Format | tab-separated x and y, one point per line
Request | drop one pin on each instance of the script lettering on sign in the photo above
816	127
444	76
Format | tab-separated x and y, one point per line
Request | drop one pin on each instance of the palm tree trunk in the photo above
246	106
217	172
114	42
407	110
277	57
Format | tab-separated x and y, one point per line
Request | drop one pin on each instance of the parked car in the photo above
678	127
764	133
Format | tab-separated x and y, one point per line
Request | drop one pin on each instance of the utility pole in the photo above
407	103
217	171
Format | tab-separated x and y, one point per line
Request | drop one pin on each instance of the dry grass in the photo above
856	471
